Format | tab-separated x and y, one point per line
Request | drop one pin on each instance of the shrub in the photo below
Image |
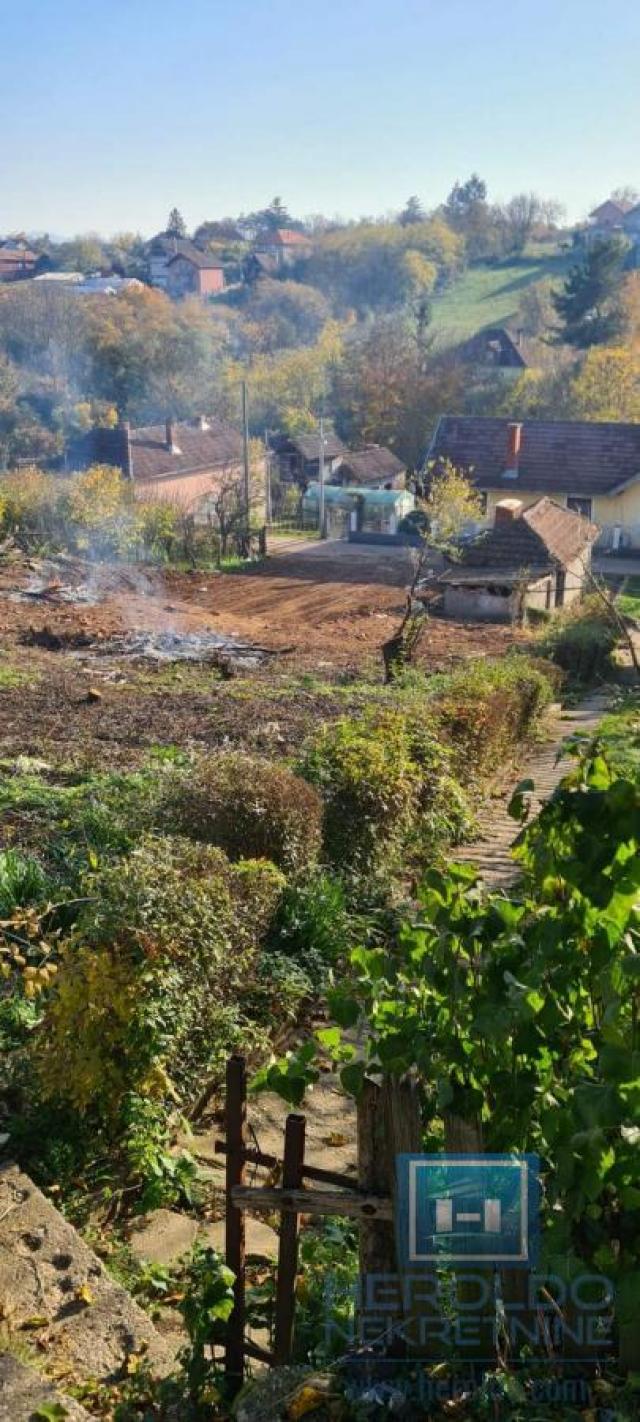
249	807
487	708
581	642
28	505
387	789
22	882
313	925
172	931
278	990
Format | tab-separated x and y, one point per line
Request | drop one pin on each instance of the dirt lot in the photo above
322	612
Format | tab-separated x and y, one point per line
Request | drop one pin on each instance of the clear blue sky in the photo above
112	113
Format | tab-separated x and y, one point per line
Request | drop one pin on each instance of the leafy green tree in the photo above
363	268
521	214
452	503
84	254
176	225
589	306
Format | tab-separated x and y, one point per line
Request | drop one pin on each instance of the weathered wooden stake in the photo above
375	1176
236	1133
464	1137
292	1168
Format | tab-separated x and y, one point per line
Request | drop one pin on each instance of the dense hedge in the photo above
487	708
392	780
249	807
387	789
582	642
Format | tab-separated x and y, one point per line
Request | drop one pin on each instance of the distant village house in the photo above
176	265
297	457
194	274
17	261
374	466
282	248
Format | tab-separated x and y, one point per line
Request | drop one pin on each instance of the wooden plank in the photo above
262	1355
309	1172
288	1248
236	1132
313	1202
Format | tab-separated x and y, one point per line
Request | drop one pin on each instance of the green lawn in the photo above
628	602
621	730
490	295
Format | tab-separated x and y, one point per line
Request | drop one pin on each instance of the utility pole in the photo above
268	505
321	508
245	445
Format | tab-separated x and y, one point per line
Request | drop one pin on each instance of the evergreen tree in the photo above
589	305
464	198
413	211
176	226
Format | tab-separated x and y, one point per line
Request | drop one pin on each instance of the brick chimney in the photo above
127	461
507	510
514	442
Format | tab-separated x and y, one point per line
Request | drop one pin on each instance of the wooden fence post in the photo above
375	1176
236	1134
292	1168
464	1137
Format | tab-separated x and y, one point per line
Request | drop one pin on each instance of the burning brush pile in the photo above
65	583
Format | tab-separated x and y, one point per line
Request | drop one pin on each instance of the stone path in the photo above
490	853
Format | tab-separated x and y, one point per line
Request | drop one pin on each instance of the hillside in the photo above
490	294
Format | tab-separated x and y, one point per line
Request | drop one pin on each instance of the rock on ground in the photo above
55	1292
260	1237
22	1392
163	1237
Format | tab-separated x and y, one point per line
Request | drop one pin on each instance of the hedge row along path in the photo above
331	1118
491	852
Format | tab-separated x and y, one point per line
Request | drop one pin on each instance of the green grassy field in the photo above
490	295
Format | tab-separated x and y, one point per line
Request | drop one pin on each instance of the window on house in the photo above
580	505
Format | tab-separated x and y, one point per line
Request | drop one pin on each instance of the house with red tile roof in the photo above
589	467
183	464
194	274
16	260
283	247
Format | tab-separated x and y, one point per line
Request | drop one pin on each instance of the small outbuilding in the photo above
373	466
373	510
532	558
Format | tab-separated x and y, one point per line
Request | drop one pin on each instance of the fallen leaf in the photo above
84	1294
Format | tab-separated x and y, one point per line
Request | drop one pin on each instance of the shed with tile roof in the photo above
534	558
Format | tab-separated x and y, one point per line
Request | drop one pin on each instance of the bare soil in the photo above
322	612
